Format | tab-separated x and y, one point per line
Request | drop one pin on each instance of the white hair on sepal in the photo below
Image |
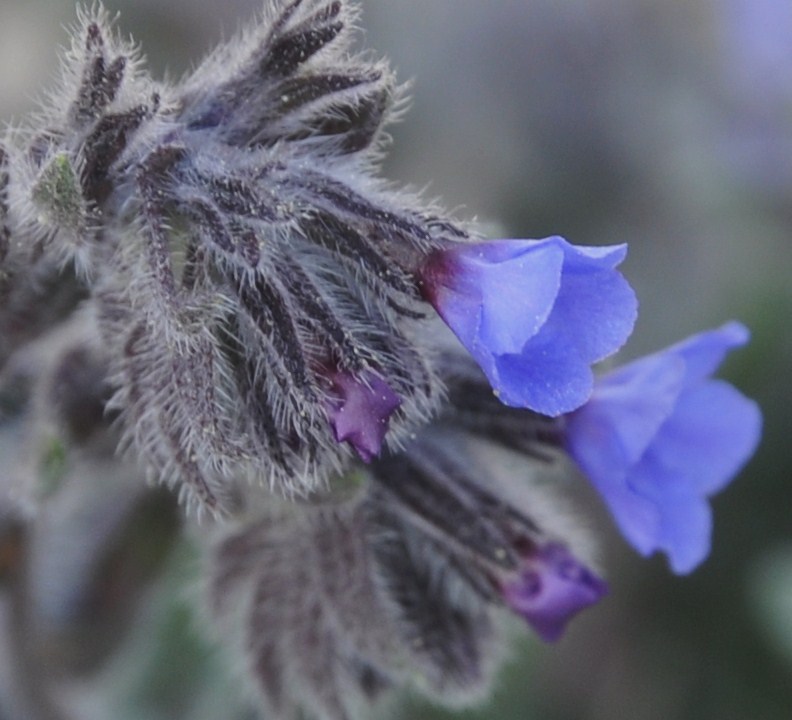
95	34
291	590
333	600
242	253
294	79
99	74
17	213
47	213
538	488
237	55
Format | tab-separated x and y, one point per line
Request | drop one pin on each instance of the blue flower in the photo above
551	587
659	437
534	314
360	412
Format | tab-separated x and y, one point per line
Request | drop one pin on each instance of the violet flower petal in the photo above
360	412
480	290
658	437
552	587
534	314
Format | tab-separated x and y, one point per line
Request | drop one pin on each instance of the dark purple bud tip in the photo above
360	411
551	588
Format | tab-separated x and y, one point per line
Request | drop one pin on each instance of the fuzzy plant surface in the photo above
207	283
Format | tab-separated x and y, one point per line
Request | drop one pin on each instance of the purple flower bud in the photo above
551	588
360	412
534	314
658	437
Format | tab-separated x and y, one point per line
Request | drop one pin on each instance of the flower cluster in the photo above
264	317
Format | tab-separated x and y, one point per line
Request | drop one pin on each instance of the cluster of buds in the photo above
333	371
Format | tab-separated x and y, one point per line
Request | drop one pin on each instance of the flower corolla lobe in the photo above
659	437
360	412
534	314
551	588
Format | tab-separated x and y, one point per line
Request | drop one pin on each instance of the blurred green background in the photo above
664	124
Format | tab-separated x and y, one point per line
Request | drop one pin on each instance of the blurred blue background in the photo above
667	125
